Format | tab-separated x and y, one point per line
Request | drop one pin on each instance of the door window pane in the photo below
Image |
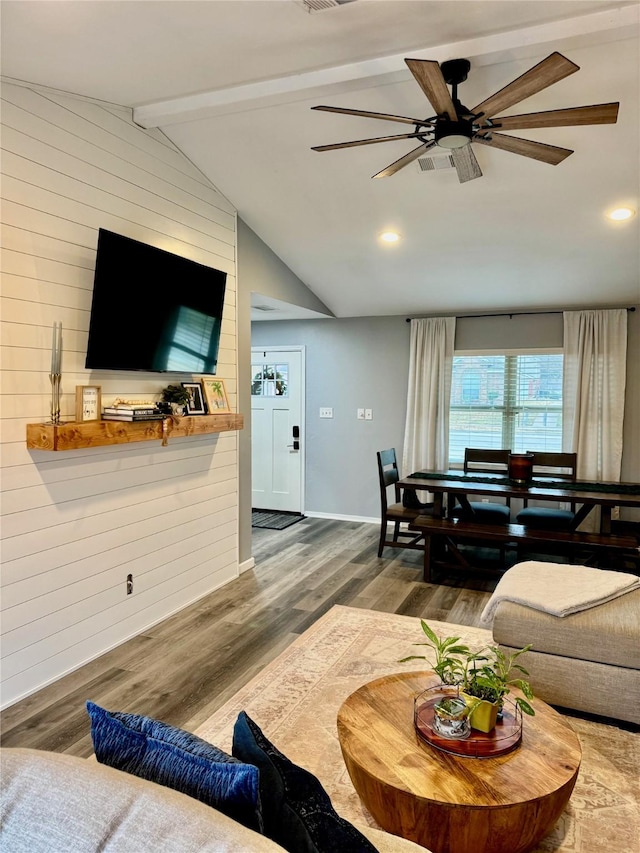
256	380
269	380
282	380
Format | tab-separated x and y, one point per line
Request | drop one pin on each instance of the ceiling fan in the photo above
455	127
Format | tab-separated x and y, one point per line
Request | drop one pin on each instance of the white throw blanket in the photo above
557	588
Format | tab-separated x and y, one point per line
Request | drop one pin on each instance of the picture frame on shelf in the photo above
195	406
88	403
215	395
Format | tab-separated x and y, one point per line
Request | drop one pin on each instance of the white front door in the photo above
277	439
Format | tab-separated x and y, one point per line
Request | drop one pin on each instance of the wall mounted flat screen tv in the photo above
153	310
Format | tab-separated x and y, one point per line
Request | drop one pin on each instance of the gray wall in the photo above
521	331
265	273
259	271
351	363
363	363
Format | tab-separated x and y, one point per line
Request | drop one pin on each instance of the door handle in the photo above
295	434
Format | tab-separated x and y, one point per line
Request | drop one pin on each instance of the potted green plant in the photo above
484	678
489	676
447	658
177	397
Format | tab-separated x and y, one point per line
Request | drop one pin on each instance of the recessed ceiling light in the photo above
390	236
621	213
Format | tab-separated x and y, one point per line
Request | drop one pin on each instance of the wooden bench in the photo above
458	529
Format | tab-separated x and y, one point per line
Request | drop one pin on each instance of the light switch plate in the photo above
368	414
326	413
360	414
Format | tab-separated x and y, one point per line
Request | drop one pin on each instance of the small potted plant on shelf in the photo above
175	398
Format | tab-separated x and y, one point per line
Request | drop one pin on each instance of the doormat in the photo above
273	520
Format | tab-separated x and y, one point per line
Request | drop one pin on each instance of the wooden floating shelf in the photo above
76	435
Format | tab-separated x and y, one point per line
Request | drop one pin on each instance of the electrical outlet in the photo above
129	584
326	413
368	414
360	414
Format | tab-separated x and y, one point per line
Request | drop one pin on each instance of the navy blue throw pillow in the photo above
177	759
296	809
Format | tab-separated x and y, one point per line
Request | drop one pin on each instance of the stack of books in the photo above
131	413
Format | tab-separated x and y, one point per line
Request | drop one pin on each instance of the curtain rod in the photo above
503	314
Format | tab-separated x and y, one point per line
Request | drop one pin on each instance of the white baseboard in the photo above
246	565
360	518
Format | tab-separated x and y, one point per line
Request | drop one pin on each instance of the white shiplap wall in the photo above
74	524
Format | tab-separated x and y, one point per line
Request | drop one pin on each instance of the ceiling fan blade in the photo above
552	69
368	114
536	150
466	164
429	77
364	141
595	114
404	161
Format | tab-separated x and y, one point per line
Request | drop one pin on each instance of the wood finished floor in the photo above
187	666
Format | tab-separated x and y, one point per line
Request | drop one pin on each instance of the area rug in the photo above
273	520
296	698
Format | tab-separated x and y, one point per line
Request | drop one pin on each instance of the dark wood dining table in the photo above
588	495
448	487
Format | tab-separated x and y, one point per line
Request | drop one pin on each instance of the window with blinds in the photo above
506	400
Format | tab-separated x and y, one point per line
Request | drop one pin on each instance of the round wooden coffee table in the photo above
449	803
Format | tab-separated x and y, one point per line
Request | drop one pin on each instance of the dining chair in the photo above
479	460
396	513
556	466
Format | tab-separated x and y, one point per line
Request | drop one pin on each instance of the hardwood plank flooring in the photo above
187	666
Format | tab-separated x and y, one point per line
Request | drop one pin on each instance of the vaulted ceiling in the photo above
232	83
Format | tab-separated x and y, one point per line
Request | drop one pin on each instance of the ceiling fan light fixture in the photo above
453	134
453	141
621	213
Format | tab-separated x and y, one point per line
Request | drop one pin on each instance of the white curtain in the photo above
595	369
426	434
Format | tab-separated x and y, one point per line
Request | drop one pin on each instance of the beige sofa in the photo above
588	661
55	803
